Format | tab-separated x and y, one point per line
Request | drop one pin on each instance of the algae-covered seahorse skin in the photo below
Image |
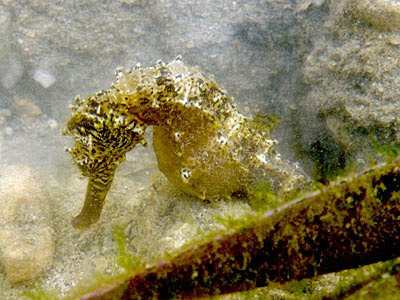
202	144
100	145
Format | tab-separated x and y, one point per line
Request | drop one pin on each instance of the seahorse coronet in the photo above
203	145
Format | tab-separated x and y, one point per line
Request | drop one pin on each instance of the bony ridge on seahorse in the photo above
202	144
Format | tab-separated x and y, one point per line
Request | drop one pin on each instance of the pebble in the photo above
394	41
52	124
189	45
8	131
134	2
27	243
27	107
44	77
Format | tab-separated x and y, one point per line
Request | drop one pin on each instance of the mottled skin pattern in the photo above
203	145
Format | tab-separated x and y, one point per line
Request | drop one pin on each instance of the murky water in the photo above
328	70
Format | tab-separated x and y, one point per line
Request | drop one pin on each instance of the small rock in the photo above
8	130
27	108
134	2
44	77
395	41
52	124
189	45
26	237
303	6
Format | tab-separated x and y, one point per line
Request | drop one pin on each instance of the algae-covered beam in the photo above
348	224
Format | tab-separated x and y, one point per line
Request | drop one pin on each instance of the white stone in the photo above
8	130
52	124
26	236
44	77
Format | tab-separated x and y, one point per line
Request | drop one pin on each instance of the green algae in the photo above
350	284
386	286
387	151
36	292
125	259
263	198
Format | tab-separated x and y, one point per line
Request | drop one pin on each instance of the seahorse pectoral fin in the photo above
96	192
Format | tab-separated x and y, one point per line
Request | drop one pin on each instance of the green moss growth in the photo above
351	284
125	259
263	198
384	285
35	291
386	151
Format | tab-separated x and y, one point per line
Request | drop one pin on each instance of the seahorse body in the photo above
203	145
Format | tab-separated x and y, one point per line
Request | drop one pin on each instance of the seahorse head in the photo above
102	135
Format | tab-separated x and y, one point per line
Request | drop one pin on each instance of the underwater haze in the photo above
286	94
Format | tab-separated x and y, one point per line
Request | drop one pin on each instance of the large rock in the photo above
26	235
354	74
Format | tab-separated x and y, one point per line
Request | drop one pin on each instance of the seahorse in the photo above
203	145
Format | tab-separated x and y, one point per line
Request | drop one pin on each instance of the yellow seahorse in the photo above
202	144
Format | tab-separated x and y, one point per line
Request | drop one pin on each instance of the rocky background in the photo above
329	70
353	74
54	50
